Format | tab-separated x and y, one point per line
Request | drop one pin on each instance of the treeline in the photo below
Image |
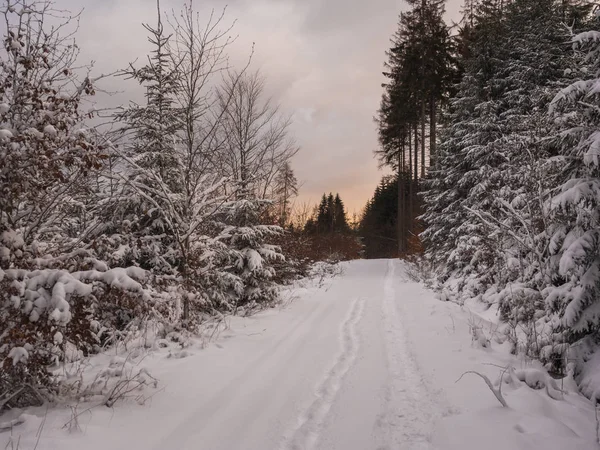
381	224
329	217
420	71
322	233
511	200
167	217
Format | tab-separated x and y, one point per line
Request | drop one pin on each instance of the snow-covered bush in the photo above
46	154
50	316
46	159
253	255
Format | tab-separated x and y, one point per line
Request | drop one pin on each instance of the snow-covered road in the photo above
369	362
330	372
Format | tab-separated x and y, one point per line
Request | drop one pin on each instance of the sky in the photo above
322	60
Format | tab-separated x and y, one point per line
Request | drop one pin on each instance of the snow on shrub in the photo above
50	316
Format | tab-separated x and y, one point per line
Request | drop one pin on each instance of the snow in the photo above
58	338
18	354
49	130
12	239
590	378
370	360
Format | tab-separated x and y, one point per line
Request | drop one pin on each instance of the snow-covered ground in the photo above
370	361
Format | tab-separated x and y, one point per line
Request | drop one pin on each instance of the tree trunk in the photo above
410	185
423	115
433	160
186	298
400	219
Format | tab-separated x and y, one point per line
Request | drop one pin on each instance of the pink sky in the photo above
323	61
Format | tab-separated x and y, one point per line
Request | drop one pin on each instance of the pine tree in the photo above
519	212
492	221
137	211
455	239
340	221
171	197
378	225
254	257
575	230
420	69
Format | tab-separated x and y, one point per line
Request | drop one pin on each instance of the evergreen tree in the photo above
378	227
170	200
340	221
575	230
135	214
322	220
420	69
494	222
454	238
519	212
253	257
330	216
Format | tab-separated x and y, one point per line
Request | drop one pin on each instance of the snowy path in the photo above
368	364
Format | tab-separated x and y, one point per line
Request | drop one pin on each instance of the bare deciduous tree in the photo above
285	189
254	133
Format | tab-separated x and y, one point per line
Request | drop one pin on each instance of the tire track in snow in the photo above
310	424
409	413
268	366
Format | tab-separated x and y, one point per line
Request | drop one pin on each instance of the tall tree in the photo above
495	222
420	70
378	226
340	220
255	137
134	211
330	216
575	231
286	188
452	236
172	139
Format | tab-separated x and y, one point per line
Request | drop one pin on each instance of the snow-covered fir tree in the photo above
254	256
286	189
148	175
574	231
170	195
497	228
456	241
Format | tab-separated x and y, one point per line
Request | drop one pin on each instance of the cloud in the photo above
322	59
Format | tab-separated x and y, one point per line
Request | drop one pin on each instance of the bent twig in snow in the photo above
497	392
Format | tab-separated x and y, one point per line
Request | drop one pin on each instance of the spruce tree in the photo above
419	70
135	214
455	239
339	216
575	230
286	188
378	225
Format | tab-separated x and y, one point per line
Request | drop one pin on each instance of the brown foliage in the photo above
303	249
